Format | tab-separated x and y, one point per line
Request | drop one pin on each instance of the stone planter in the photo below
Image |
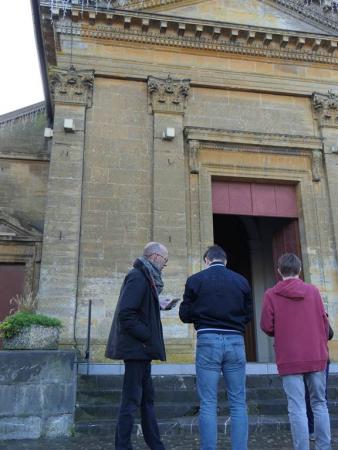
34	337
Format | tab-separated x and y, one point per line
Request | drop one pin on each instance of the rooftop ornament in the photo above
327	6
69	4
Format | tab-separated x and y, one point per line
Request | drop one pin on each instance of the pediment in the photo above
14	229
242	12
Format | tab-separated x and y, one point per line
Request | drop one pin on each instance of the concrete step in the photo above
185	425
188	425
177	404
176	410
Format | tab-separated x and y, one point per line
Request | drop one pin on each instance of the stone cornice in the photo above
22	114
205	35
316	12
236	140
72	86
325	107
13	228
168	94
252	138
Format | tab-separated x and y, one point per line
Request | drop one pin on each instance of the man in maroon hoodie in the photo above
293	313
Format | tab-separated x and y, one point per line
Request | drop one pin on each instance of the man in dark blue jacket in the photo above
136	337
218	302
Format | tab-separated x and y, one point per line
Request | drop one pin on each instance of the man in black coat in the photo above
136	337
218	302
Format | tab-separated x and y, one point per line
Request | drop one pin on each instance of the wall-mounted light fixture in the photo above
48	133
169	134
69	125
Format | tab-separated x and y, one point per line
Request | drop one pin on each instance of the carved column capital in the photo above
194	147
168	94
325	107
72	86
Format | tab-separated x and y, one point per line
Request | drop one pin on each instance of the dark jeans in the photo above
137	392
309	412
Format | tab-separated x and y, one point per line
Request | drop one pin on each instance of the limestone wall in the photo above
129	171
24	167
117	208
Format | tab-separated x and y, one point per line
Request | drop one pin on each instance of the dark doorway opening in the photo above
12	279
250	240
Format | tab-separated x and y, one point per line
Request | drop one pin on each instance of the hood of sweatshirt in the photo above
293	289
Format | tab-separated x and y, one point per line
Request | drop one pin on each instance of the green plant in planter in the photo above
13	324
25	329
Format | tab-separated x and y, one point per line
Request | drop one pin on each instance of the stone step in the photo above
186	425
182	383
177	405
113	396
176	410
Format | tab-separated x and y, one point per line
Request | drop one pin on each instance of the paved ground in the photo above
258	441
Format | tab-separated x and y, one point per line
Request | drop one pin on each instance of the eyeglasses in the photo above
164	259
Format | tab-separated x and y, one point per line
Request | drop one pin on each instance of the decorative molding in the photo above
316	12
14	229
72	86
194	147
251	138
164	30
317	158
326	108
168	94
24	156
253	142
22	114
231	147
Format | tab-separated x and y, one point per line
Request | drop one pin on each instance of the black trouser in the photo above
137	392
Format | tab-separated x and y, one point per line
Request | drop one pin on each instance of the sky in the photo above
20	79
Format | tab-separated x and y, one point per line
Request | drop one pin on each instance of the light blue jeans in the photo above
215	354
295	393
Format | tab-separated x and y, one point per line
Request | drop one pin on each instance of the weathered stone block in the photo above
34	337
58	426
58	398
20	428
37	393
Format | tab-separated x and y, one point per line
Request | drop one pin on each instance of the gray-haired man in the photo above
136	337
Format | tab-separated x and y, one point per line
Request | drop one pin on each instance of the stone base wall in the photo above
38	392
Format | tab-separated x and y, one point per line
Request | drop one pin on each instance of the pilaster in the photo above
167	102
72	94
325	107
194	202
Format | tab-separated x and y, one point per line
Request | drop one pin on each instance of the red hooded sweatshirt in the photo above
293	312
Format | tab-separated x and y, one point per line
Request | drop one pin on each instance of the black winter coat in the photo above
136	331
217	297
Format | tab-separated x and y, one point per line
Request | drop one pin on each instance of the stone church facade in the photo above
185	122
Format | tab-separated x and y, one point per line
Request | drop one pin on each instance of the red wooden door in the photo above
12	279
254	199
286	240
